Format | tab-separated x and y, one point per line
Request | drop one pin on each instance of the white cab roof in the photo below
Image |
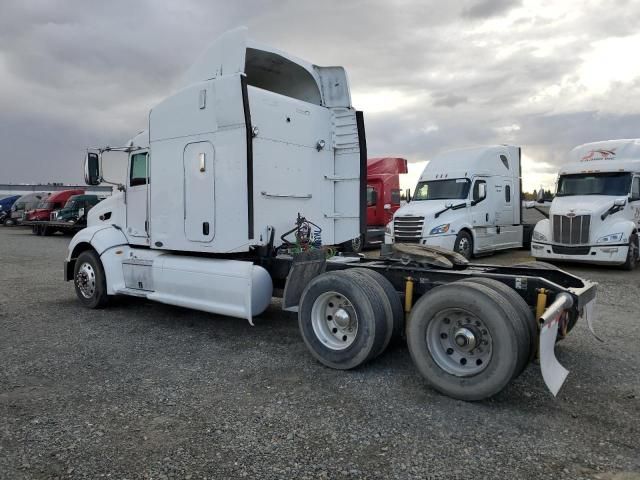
606	156
466	162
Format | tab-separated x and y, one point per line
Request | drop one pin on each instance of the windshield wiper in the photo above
450	207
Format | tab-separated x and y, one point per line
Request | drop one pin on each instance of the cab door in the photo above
137	198
634	200
482	216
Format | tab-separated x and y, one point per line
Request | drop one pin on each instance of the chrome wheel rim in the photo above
464	247
86	280
356	244
334	321
459	342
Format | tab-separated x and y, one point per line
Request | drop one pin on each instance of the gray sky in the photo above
429	75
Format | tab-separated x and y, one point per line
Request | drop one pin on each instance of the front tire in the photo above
464	244
632	254
354	245
89	280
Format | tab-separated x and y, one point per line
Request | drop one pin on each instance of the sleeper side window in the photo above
138	174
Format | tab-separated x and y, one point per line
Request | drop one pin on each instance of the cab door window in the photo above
138	173
635	189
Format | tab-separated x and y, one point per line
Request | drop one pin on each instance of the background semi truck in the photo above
5	207
258	162
71	218
595	214
24	204
383	199
468	201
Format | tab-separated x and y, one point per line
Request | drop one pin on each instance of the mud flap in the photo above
590	315
553	373
306	266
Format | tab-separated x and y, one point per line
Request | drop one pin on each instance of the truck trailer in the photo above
241	180
467	200
595	214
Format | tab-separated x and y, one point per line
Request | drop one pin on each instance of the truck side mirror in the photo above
540	196
407	195
92	169
619	202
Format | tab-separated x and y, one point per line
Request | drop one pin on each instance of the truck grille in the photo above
571	230
407	229
562	250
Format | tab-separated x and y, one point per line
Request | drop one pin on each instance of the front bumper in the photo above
602	254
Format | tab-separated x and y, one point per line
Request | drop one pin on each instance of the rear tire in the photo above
342	321
474	314
464	244
89	280
526	316
632	255
397	309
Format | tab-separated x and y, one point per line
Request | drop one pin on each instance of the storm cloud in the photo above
430	76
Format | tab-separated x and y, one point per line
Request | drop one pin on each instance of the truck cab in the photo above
24	204
383	194
253	143
595	214
5	207
53	202
466	200
76	207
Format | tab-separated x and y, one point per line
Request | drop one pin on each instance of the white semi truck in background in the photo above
241	179
595	214
467	200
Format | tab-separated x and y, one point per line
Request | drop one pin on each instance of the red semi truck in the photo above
54	201
383	198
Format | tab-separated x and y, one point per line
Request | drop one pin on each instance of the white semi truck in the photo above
595	214
467	200
242	178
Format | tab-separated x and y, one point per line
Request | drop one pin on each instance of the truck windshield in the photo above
614	183
442	189
46	205
70	203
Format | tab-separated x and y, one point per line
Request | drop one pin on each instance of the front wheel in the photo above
354	245
89	280
632	254
464	244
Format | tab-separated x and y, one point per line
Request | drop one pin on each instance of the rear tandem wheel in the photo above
463	340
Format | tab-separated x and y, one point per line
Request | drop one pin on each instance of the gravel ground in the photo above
144	390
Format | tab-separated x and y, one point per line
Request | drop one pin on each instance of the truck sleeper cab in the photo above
595	215
467	201
257	142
